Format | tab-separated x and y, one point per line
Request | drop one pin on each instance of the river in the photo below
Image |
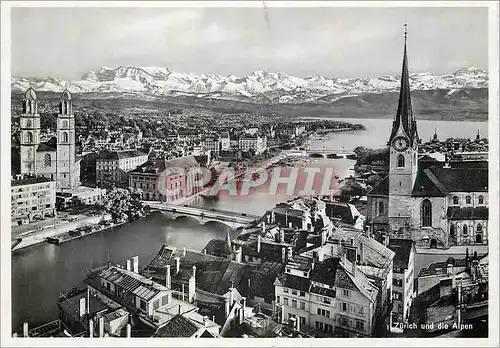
41	272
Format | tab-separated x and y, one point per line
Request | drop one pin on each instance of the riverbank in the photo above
82	232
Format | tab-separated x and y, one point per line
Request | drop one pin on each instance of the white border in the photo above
6	331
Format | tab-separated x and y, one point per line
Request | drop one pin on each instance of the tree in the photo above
374	180
123	204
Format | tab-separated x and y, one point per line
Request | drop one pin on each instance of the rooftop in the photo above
31	180
402	249
117	155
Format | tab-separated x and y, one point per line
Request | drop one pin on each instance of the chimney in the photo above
205	251
321	254
184	252
238	255
283	255
129	267
129	330
205	321
91	328
263	227
135	264
227	307
177	264
258	243
192	286
352	241
83	307
101	326
25	329
168	279
282	236
231	295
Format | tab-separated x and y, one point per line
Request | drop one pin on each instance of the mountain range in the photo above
258	87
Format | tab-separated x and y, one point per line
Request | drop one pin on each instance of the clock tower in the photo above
403	152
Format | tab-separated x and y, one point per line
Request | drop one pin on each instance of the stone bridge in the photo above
229	218
331	153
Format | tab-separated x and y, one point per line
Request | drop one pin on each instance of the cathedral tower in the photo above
403	147
30	132
66	143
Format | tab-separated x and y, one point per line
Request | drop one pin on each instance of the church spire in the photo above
404	116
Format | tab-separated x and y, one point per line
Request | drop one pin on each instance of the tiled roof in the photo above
382	189
294	282
467	213
402	248
440	267
323	291
29	180
342	210
49	145
325	272
178	326
116	155
438	182
132	282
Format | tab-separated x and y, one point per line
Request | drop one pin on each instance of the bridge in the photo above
229	218
325	153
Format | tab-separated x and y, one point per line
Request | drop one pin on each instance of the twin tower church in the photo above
55	159
437	206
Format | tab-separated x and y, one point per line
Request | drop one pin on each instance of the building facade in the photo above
32	198
56	158
112	167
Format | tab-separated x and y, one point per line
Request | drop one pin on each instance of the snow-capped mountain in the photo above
260	85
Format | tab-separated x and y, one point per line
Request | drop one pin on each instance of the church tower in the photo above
30	132
66	143
403	148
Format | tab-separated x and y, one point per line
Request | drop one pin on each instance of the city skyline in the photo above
218	41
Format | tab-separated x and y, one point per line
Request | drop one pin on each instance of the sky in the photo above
329	41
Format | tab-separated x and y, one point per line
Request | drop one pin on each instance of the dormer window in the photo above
455	200
468	200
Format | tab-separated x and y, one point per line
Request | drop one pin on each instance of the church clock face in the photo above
400	143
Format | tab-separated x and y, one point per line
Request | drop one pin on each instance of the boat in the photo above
52	240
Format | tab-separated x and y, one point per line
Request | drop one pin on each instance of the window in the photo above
28	124
156	304
302	305
396	295
464	230
361	310
47	160
455	200
426	213
360	325
323	312
397	282
142	305
452	230
344	321
285	290
277	299
302	321
326	300
302	293
65	124
294	292
285	301
401	161
480	199
380	208
64	137
346	293
479	228
29	137
344	307
468	200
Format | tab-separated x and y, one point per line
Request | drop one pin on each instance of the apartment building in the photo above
166	181
403	291
328	298
252	142
32	198
112	167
